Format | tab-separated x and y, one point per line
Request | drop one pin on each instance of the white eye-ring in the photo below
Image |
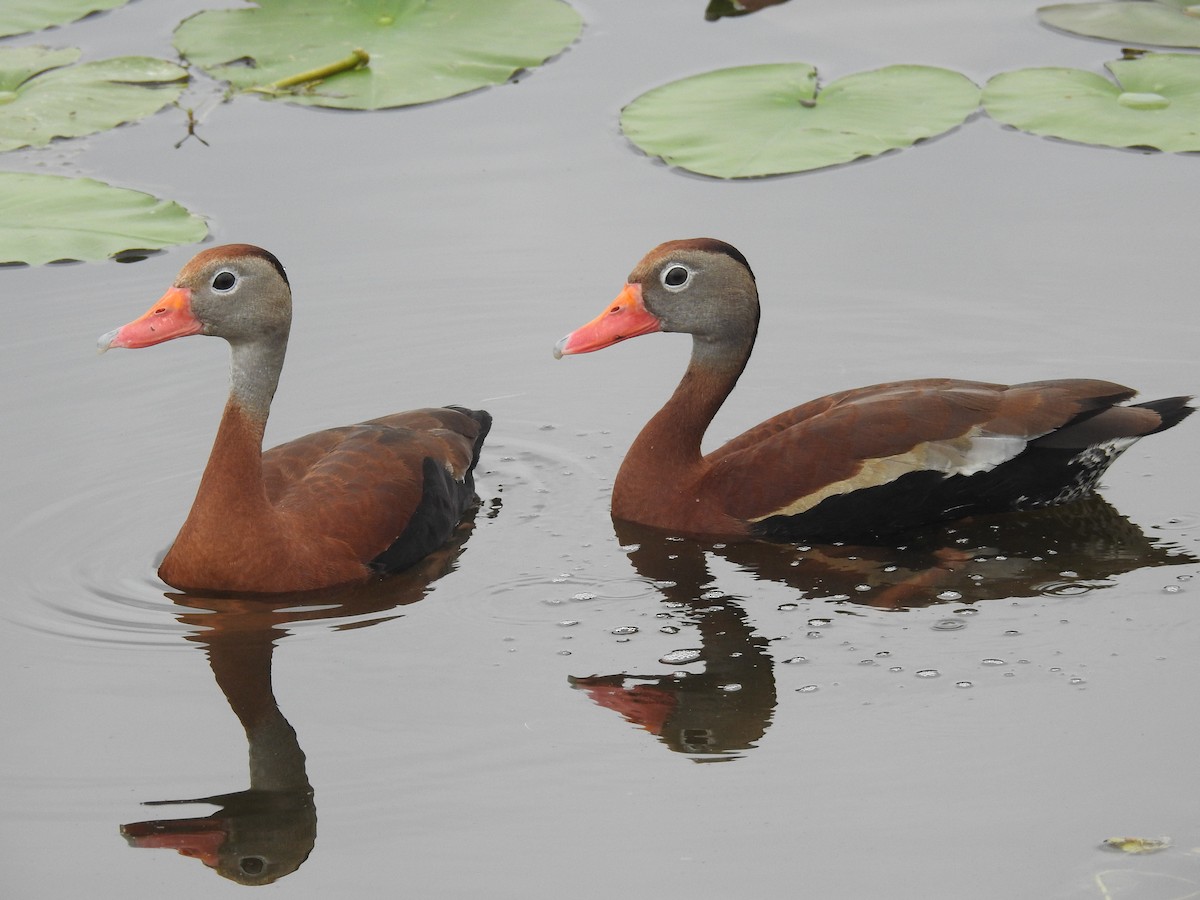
676	277
224	281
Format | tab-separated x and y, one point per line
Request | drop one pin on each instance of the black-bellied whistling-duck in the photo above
858	464
330	508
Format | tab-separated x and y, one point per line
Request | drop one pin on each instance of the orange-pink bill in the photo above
170	317
625	317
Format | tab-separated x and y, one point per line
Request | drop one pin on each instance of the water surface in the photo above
550	707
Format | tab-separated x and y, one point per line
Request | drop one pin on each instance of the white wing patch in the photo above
974	452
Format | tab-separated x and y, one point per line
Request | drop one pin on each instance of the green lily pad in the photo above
1155	102
43	96
418	50
20	16
770	119
1160	23
50	217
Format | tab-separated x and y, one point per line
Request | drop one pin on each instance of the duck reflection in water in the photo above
267	831
1068	549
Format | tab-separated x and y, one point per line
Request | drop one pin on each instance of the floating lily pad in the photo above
50	217
20	16
1155	102
770	119
1160	23
417	51
43	96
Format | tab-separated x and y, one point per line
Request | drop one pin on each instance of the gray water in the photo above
870	725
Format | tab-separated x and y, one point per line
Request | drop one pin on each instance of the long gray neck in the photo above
254	374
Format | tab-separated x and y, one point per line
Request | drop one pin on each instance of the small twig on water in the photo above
357	60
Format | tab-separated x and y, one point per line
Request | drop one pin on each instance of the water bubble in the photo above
1063	588
731	688
949	595
963	684
807	689
862	588
896	669
814	635
1172	589
681	657
564	652
1012	632
818	623
1183	577
967	611
555	601
867	662
948	625
796	660
670	629
583	595
1075	679
928	673
883	653
712	595
625	629
568	623
788	607
992	661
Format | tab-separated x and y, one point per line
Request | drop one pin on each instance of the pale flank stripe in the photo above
967	455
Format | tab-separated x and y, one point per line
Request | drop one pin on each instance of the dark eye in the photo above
252	865
224	281
676	277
